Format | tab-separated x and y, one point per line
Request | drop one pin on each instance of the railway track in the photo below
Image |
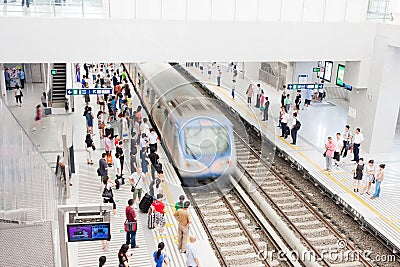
310	226
235	233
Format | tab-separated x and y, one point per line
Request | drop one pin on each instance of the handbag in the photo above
93	147
262	108
134	186
107	193
130	226
324	154
373	179
98	172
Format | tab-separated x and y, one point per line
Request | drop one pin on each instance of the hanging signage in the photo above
89	91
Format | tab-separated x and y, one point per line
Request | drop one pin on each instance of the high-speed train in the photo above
199	139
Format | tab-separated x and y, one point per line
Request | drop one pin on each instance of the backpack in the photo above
107	193
298	125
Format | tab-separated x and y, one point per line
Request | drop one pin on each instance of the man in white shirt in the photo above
293	129
145	127
136	180
192	259
358	139
152	140
339	145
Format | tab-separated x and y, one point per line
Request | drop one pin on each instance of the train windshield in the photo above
206	141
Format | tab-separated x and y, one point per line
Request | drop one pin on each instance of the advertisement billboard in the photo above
88	232
340	75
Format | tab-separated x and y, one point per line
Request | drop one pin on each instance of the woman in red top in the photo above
158	208
38	118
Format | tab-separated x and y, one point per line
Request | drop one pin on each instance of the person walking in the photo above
86	68
107	143
89	120
307	101
219	75
266	108
38	118
358	173
107	193
283	96
358	139
18	95
22	73
379	178
347	137
249	93
136	180
89	146
158	209
122	257
118	173
297	101
7	78
284	122
233	88
155	164
294	129
120	150
183	218
330	149
160	258
369	175
100	123
192	258
131	226
133	151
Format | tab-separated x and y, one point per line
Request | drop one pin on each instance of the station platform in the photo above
381	215
86	185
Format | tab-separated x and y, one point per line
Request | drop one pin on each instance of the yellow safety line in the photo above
316	165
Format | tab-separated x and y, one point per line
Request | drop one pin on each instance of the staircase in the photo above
59	82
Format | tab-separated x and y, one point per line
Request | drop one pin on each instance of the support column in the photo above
375	109
252	70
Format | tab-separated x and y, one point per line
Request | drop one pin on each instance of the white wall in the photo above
64	40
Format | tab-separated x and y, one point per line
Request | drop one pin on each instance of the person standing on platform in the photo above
131	218
233	88
184	220
118	173
234	72
192	259
180	204
158	209
209	71
358	173
288	103
154	159
133	151
219	75
338	148
379	178
358	139
297	101
18	95
22	78
153	140
293	130
136	180
258	95
283	96
107	143
266	108
347	136
330	149
120	150
103	166
89	146
43	99
107	194
89	120
249	93
284	122
122	257
86	68
262	100
369	175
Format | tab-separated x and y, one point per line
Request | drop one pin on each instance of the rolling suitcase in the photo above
145	203
150	220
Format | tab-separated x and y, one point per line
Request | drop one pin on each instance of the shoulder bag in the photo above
130	226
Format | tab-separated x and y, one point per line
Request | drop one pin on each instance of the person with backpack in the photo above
295	127
107	193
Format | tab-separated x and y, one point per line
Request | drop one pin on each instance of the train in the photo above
197	136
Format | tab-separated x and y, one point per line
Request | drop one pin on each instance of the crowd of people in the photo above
122	128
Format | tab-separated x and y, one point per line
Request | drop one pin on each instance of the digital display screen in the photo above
340	75
88	232
328	71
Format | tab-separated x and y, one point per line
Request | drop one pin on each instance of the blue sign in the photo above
89	91
300	86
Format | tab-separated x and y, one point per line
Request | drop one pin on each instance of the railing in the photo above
56	8
379	10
